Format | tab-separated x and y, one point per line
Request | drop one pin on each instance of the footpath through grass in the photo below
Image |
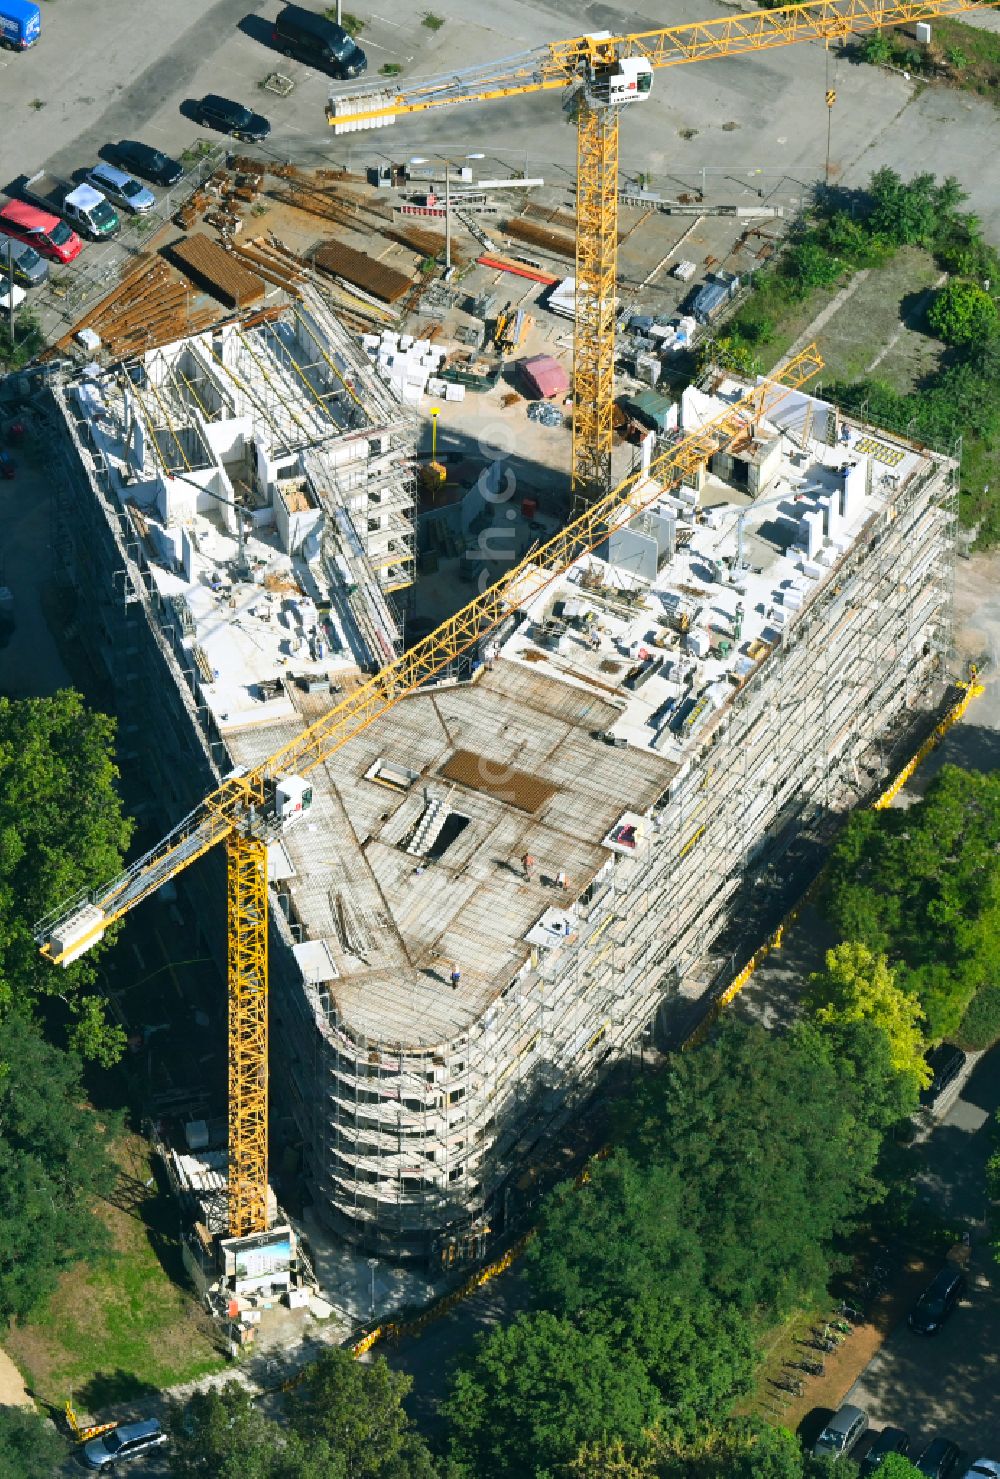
882	329
127	1325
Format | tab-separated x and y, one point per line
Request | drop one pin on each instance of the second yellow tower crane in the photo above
609	73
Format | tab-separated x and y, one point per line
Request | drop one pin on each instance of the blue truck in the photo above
20	24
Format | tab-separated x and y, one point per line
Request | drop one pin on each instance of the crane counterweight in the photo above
76	934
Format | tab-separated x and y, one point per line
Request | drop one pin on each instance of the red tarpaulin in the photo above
545	376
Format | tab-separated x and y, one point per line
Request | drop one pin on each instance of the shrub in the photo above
981	1024
809	265
877	49
962	313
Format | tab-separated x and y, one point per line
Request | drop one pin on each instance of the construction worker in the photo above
456	976
528	864
561	879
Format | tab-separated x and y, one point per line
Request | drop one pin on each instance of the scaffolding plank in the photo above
212	267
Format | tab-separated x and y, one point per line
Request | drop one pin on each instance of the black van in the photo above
314	39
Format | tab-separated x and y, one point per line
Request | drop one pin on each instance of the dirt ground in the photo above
13	1392
821	1395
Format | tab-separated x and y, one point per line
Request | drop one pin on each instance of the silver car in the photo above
121	189
841	1433
29	268
123	1443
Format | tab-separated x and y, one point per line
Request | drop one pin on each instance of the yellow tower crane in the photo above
249	809
607	73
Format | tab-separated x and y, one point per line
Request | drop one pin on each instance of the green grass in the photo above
888	309
390	69
432	22
352	24
959	55
125	1326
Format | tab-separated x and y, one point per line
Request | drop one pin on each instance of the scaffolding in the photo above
417	1101
417	1148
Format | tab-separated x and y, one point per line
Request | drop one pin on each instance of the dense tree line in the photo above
61	830
714	1218
341	1420
921	885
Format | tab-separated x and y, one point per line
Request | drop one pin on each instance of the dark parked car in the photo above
937	1301
890	1440
317	40
231	118
939	1460
946	1063
147	162
29	269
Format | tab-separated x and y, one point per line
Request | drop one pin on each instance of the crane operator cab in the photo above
624	80
292	799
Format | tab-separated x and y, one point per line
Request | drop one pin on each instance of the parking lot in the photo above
949	1384
97	76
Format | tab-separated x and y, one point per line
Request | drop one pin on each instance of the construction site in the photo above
478	851
503	878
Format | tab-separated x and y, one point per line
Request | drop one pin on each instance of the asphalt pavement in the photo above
112	68
949	1384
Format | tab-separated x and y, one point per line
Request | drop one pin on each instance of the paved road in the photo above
950	1384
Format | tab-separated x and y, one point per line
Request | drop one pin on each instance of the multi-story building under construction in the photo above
504	877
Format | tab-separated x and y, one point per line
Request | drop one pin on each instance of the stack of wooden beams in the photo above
274	264
148	307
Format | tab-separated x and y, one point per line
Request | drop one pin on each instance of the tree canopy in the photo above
616	1257
858	986
61	829
357	1411
344	1421
30	1447
772	1148
922	887
539	1389
896	1466
54	1162
738	1167
742	1448
915	212
223	1434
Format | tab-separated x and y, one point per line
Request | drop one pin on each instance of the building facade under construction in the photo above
504	878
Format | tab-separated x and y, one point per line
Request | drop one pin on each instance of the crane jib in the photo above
81	922
562	63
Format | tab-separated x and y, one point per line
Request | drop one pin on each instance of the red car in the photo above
46	233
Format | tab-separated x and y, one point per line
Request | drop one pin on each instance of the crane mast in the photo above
246	810
608	73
